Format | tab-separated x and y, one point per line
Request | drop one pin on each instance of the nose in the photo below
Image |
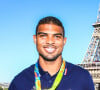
50	40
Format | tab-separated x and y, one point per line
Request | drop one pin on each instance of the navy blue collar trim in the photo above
42	72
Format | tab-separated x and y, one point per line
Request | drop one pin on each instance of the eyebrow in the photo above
59	34
41	33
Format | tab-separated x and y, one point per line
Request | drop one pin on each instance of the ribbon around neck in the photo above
56	81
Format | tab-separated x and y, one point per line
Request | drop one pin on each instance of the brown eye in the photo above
57	36
43	36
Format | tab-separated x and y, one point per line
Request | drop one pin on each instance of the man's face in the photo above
49	41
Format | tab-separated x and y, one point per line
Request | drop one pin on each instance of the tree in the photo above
1	88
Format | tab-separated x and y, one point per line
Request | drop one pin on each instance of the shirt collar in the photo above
42	72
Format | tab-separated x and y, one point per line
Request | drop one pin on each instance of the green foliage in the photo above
1	88
4	89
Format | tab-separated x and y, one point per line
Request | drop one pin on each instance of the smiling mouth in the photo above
49	49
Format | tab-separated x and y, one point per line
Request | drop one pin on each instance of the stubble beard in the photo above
50	59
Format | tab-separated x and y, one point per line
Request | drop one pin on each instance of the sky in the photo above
18	20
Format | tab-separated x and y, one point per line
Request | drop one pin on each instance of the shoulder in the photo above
72	68
78	73
24	78
26	73
80	76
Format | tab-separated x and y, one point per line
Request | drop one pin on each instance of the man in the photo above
51	72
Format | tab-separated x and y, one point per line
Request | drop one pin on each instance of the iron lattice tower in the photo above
93	52
91	61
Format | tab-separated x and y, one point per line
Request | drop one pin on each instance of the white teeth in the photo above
50	49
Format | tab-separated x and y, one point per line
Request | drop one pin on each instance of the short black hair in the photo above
50	20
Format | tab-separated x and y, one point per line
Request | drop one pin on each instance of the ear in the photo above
34	38
65	40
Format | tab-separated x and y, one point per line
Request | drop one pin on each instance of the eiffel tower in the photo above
91	61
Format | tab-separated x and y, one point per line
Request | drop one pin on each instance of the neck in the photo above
52	67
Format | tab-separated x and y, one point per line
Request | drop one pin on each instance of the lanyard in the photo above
57	80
